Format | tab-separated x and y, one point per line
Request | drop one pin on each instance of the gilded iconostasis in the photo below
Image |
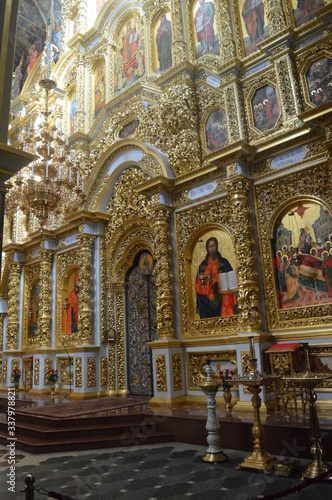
197	133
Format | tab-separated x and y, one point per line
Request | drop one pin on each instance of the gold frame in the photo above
196	361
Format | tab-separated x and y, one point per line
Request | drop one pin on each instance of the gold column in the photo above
238	190
86	291
275	16
111	339
179	46
235	112
80	95
165	327
103	280
226	41
291	102
44	320
2	318
120	340
111	48
13	308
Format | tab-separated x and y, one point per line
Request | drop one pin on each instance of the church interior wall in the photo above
181	135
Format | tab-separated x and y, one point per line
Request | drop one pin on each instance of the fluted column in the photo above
179	46
13	305
86	290
161	219
44	320
226	39
248	301
80	95
275	16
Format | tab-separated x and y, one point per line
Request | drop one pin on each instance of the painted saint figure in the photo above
253	16
210	301
204	19
100	91
164	42
33	56
73	306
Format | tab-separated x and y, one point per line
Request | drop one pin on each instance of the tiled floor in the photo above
173	470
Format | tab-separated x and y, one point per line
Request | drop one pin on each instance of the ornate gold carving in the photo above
120	343
246	367
15	364
103	311
103	371
65	372
172	127
196	361
248	295
86	290
164	276
177	372
4	371
78	372
44	319
80	95
48	366
179	52
161	376
2	317
275	16
36	370
91	372
13	308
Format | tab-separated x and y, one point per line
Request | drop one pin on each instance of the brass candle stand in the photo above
309	381
210	388
259	459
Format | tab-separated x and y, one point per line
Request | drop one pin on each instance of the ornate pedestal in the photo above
259	459
309	381
210	388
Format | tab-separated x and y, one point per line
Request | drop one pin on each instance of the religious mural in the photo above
253	23
30	41
31	36
216	130
305	229
34	306
213	276
163	37
70	301
128	129
99	88
319	78
129	63
206	36
265	108
304	10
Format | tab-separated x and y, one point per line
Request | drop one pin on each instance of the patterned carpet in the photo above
172	470
76	408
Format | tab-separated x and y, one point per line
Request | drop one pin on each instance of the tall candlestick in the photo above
251	346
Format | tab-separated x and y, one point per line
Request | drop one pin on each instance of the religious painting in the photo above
99	88
163	47
304	10
303	256
30	41
129	64
265	108
216	130
72	111
56	33
205	28
128	129
213	276
34	305
319	79
70	303
253	23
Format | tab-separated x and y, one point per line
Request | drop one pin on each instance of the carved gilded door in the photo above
141	325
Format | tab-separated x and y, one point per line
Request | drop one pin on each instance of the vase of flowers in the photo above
17	377
53	378
226	385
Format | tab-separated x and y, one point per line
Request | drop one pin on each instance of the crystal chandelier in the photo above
51	184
